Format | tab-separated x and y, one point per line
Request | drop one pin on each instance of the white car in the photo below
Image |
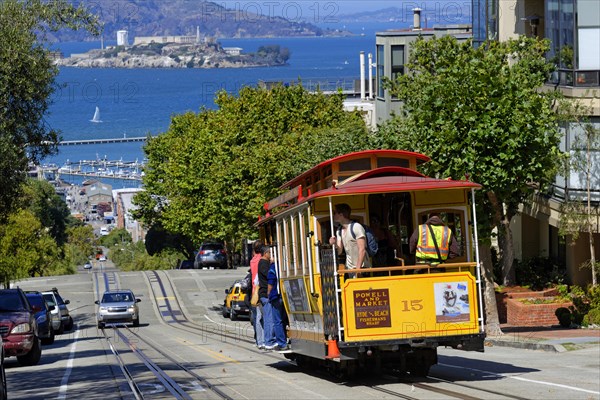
104	231
87	266
102	258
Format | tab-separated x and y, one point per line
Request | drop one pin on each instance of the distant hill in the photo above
181	17
438	13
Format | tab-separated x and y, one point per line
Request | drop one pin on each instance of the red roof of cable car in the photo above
387	184
420	158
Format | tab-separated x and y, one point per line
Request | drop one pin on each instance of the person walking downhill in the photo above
256	317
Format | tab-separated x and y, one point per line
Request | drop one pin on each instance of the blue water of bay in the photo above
137	102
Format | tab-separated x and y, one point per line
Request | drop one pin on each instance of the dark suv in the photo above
18	327
43	316
211	255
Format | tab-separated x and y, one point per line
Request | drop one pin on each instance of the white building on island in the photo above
122	38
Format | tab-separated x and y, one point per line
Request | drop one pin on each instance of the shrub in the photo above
592	317
539	273
564	316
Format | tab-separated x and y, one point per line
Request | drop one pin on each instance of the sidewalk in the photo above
554	338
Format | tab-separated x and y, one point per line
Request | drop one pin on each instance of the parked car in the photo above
235	303
211	255
43	316
61	311
3	389
104	231
118	306
87	266
18	327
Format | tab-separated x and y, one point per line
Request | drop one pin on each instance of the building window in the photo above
380	70
397	61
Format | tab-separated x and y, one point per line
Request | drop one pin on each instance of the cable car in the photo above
397	312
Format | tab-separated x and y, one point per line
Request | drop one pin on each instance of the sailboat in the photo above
96	116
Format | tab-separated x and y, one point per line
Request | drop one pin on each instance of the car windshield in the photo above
11	303
49	299
116	297
58	298
36	300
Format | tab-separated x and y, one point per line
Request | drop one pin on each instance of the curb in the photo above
554	348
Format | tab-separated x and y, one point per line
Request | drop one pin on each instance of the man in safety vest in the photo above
433	242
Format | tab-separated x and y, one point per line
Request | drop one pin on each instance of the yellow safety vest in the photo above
426	247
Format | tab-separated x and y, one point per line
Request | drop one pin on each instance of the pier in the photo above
99	168
103	141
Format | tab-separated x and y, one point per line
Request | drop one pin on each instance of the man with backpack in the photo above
351	238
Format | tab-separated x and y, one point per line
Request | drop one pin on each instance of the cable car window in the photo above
360	164
392	162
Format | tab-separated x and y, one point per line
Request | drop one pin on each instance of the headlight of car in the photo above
22	328
131	309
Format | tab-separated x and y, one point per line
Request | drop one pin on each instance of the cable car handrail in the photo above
427	267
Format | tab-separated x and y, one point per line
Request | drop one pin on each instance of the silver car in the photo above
61	319
118	306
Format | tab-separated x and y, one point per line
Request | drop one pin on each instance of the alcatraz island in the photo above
175	52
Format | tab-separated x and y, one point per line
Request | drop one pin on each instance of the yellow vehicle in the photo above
395	314
235	303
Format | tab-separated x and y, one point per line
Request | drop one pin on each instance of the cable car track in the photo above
172	314
425	383
178	388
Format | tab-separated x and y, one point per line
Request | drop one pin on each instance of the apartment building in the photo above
573	28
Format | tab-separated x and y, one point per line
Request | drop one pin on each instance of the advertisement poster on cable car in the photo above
451	302
296	292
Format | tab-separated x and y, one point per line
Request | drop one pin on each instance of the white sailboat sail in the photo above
96	116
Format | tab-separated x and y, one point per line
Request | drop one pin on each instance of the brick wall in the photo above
520	314
503	296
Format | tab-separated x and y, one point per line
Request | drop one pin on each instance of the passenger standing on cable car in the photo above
256	317
354	243
433	242
275	337
264	265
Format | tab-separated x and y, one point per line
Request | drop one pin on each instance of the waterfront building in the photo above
124	204
99	193
191	39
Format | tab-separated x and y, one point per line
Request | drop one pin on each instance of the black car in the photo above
211	255
43	316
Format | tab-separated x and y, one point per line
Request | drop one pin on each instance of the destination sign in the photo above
372	308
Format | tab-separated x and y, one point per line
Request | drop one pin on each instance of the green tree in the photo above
481	113
48	207
81	244
26	248
211	173
27	79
